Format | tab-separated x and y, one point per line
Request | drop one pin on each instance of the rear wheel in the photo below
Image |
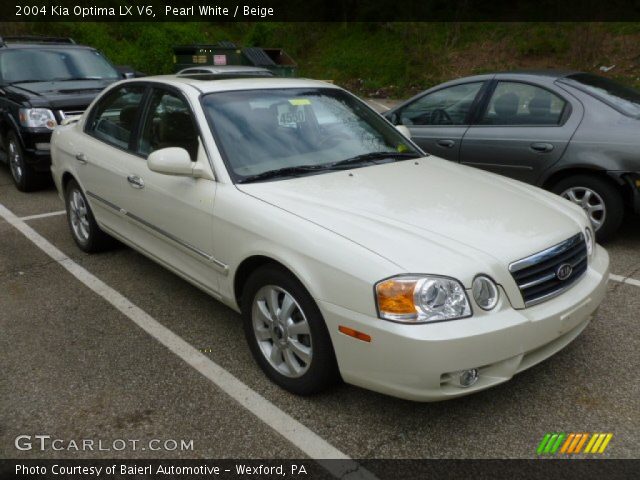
601	201
24	176
84	229
286	332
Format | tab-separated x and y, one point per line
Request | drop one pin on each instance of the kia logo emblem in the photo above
564	271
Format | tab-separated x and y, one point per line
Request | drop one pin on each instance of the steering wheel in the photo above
440	117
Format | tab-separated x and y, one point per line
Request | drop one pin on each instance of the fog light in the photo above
467	378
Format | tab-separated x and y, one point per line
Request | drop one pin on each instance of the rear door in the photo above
103	152
522	130
438	120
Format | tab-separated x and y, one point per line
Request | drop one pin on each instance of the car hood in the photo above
60	94
430	215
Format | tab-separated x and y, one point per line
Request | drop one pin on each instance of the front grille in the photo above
537	275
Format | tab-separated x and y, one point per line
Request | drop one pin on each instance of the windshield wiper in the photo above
282	172
342	164
369	158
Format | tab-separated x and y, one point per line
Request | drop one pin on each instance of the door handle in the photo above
135	181
541	147
446	143
81	157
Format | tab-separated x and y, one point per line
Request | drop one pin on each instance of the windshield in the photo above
52	64
624	99
267	130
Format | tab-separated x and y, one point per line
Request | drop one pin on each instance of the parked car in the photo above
43	80
347	251
575	134
227	70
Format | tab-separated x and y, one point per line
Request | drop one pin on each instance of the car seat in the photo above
506	108
176	129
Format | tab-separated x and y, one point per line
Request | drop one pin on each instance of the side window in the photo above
515	103
449	106
169	123
114	117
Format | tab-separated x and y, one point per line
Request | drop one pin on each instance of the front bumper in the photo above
36	144
415	362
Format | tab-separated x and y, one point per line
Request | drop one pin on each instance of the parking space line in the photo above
299	435
626	280
43	215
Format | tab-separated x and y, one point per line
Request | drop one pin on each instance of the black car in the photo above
43	80
573	133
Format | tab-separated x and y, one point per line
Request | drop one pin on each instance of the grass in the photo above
384	59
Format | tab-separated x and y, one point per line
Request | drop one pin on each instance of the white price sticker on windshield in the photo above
290	116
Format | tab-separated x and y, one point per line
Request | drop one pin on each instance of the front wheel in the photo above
286	332
24	176
601	201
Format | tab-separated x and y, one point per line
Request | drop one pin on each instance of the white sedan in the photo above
348	252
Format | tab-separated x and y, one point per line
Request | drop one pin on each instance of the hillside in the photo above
380	59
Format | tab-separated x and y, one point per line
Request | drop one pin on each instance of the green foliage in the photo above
393	58
542	39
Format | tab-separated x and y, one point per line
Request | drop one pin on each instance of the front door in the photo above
438	120
171	216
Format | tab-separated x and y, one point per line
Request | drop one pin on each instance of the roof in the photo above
544	76
553	73
227	84
36	41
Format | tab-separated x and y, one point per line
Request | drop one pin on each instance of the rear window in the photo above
624	99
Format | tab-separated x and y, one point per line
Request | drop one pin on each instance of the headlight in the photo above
485	292
421	299
37	118
588	238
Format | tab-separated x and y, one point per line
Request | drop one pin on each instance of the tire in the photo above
303	360
84	229
24	176
591	193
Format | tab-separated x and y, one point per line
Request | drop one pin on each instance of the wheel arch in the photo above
9	124
250	265
65	179
614	180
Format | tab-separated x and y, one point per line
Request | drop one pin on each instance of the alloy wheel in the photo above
15	161
590	201
79	215
282	331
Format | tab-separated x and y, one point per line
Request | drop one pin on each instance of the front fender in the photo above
332	268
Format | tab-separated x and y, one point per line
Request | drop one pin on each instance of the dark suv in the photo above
43	80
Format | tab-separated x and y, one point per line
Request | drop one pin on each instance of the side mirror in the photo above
391	116
404	130
171	161
126	71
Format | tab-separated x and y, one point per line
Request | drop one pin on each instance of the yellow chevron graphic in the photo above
576	441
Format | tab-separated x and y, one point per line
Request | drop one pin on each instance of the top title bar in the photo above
318	10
